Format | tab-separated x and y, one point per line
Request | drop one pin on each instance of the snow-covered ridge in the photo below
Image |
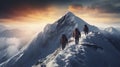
93	50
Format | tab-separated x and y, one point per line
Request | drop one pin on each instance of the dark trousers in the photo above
76	40
63	46
86	32
43	65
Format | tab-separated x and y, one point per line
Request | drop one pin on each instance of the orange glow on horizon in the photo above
36	19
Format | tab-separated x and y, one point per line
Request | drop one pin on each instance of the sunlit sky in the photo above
35	14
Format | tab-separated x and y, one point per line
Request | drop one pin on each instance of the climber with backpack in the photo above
86	29
76	35
63	41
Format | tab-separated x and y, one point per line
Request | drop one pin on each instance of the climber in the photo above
63	41
76	35
85	29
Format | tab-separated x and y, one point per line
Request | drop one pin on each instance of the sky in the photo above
35	14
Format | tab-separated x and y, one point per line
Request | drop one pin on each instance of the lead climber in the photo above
86	29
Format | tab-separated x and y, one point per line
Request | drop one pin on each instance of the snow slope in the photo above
113	35
47	42
93	50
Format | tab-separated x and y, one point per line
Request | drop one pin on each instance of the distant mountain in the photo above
11	33
2	28
112	30
113	35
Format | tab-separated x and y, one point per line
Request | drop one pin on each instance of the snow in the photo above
112	30
86	56
113	35
45	49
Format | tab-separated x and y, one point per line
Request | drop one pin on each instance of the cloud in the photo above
83	10
10	44
105	6
34	10
12	40
14	44
76	6
96	14
8	7
2	28
108	6
101	8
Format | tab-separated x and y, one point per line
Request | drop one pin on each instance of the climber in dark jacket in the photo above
63	41
76	35
86	29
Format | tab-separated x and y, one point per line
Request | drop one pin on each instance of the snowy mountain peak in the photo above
70	19
111	30
69	14
67	19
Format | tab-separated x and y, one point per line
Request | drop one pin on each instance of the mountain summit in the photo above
70	18
70	13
